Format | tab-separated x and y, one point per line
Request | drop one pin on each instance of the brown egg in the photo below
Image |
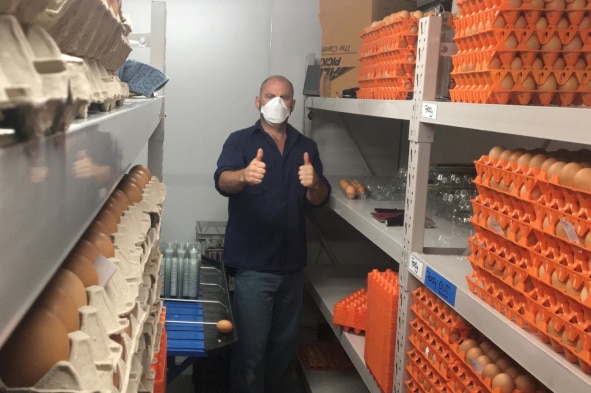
517	153
507	83
580	65
526	383
97	226
520	22
36	345
486	346
131	190
556	281
83	268
537	4
549	84
473	353
494	354
101	241
553	44
533	43
511	42
490	371
529	83
72	285
224	326
143	170
524	159
538	64
513	372
576	293
494	64
106	217
556	5
572	83
537	160
582	179
555	168
85	249
575	44
503	363
562	24
121	201
138	179
568	172
585	23
496	151
467	344
542	23
504	382
55	300
559	64
504	156
576	5
482	361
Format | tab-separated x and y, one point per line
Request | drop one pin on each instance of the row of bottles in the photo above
182	262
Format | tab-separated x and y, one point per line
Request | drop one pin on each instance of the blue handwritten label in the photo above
439	285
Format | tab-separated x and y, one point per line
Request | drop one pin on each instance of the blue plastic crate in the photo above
185	338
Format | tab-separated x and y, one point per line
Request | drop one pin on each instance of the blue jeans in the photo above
266	310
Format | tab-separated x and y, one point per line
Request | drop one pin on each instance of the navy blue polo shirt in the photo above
266	229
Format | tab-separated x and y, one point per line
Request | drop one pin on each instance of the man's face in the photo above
276	88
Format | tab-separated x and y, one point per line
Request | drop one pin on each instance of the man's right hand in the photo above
255	171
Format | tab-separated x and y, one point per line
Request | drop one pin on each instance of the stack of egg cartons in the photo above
531	253
388	57
522	52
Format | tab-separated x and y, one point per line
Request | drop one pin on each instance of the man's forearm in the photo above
232	182
317	195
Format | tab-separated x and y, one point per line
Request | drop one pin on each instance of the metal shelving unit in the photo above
409	246
43	217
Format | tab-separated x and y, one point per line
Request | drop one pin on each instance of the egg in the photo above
138	179
585	23
559	64
536	4
526	383
107	218
516	63
83	268
541	23
537	64
555	168
503	362
524	159
224	326
547	163
549	84
143	170
131	190
490	371
504	382
55	300
473	353
72	285
467	344
102	242
529	83
556	5
582	179
537	160
568	172
496	151
562	24
513	372
504	156
571	290
574	45
511	42
486	346
533	42
36	345
553	44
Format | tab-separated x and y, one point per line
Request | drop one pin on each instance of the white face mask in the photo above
275	111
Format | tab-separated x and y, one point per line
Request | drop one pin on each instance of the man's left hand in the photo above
307	174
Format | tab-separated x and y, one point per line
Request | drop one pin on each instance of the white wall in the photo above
218	52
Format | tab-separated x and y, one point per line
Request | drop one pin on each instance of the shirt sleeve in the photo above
230	159
317	164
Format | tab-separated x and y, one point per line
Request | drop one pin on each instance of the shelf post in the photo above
420	140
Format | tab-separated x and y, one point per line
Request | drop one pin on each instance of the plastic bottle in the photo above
168	252
174	271
194	264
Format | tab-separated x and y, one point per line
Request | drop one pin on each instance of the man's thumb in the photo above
259	156
306	158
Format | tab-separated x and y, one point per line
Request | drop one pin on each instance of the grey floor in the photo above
184	383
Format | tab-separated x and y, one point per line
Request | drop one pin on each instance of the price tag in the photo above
429	111
439	285
416	267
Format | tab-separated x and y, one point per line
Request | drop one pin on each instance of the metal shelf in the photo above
357	212
379	108
549	367
556	123
328	285
44	207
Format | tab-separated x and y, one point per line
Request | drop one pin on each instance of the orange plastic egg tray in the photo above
350	312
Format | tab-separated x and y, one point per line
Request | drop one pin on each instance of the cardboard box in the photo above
342	22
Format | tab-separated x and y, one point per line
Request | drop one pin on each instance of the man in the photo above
271	173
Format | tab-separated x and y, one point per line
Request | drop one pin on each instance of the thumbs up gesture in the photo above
255	171
307	174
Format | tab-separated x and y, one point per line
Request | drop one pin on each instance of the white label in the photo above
105	269
416	267
569	229
430	111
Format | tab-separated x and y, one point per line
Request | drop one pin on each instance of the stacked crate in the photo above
388	56
446	354
350	313
382	316
531	252
523	52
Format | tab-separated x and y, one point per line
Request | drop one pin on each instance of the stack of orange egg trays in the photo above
531	252
448	355
380	335
112	334
350	313
388	57
522	52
